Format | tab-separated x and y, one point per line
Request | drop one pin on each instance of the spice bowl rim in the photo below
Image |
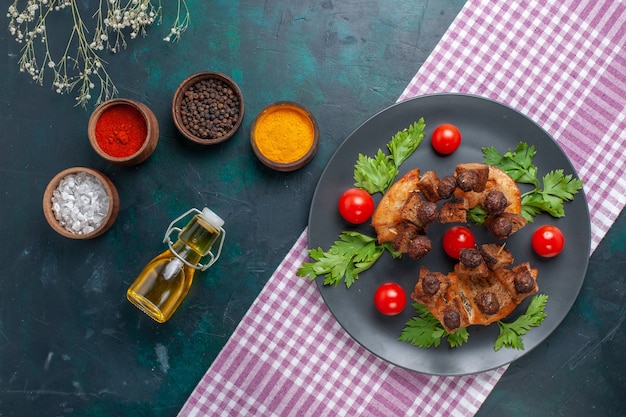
180	93
286	166
107	222
152	131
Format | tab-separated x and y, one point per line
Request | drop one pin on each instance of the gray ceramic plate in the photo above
482	123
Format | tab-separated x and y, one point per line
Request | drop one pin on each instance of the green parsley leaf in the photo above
477	215
536	203
352	254
374	174
562	186
406	141
518	164
492	156
425	331
511	333
557	187
459	337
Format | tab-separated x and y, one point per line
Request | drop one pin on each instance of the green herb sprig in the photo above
511	333
376	174
518	164
352	254
425	331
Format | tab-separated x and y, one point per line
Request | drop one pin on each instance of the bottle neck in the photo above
186	252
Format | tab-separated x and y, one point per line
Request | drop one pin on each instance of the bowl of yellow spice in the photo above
285	136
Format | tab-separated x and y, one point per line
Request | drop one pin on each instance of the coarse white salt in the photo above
80	203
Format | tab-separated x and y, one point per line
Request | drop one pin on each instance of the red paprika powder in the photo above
121	131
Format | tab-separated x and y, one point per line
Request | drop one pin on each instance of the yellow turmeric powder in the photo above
284	133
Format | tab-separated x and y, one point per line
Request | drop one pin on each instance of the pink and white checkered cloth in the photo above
562	64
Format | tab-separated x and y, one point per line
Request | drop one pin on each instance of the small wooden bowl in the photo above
105	224
306	117
181	102
152	132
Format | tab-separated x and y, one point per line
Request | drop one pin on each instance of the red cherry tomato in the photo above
457	238
356	205
390	299
446	138
548	241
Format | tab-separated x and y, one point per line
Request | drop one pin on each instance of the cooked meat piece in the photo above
430	284
522	275
429	185
496	180
517	221
505	224
524	282
467	180
452	319
499	226
453	211
405	233
472	266
458	302
487	302
496	256
495	202
472	176
419	247
427	213
409	209
388	212
446	187
471	257
419	212
480	295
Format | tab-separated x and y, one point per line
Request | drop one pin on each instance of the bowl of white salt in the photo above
80	203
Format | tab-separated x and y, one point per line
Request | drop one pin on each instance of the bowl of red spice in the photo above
285	136
208	108
80	203
123	131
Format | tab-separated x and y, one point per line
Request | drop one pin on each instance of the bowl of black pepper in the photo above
208	108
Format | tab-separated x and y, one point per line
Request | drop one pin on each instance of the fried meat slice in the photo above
476	295
388	213
496	180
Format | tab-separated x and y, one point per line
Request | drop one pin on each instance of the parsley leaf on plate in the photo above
511	333
518	164
352	254
425	331
405	142
376	174
477	215
557	187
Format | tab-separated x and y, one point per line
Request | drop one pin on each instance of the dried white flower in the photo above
114	20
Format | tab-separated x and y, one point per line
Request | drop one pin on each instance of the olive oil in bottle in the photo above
165	281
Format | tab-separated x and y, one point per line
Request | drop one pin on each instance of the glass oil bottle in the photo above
165	281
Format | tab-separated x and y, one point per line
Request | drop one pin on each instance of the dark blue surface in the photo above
70	343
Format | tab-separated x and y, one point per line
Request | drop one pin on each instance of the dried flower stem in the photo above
80	66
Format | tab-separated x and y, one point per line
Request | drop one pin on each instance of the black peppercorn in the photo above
209	109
